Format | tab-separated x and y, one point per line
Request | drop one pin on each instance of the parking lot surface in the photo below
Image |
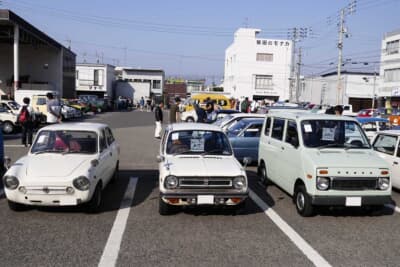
129	231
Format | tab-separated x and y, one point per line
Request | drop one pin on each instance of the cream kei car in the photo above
197	167
68	164
322	160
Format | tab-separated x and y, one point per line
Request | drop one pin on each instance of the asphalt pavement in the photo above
129	231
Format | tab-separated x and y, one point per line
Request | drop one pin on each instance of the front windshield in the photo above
333	133
236	128
198	142
83	142
14	105
224	119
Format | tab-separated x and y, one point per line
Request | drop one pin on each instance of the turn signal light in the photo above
384	172
173	200
323	172
236	200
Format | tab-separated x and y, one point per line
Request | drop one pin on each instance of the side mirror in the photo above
7	162
246	161
160	159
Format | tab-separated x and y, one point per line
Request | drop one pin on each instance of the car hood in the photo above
203	166
351	158
54	165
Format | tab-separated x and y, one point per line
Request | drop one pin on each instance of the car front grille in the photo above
354	184
43	190
205	182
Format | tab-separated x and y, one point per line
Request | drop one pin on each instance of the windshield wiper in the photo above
213	151
182	152
331	145
350	146
45	151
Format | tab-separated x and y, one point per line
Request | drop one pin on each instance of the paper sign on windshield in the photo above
307	128
197	144
175	136
328	134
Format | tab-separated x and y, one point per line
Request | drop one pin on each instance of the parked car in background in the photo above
9	111
386	144
191	116
322	160
231	119
80	158
218	99
197	167
77	104
372	126
245	137
365	113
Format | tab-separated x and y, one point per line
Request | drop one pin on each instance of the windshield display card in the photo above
307	128
328	134
197	144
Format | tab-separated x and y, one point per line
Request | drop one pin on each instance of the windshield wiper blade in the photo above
331	145
182	152
45	151
212	151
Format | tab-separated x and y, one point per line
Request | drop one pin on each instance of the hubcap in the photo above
7	128
300	201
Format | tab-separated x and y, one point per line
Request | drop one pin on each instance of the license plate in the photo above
353	201
68	201
205	199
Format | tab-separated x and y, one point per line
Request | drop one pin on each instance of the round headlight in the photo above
383	183
81	183
323	183
171	182
10	182
239	182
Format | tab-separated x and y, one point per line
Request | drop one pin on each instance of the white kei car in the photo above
197	167
68	164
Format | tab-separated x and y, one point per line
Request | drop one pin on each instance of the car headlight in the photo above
383	183
323	183
171	182
81	183
10	182
239	182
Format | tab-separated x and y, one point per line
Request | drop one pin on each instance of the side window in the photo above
41	101
385	144
253	130
267	126
277	128
103	143
109	136
291	134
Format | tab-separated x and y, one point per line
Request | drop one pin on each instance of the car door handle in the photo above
395	163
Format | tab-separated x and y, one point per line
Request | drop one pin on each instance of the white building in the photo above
257	68
96	79
357	89
389	91
137	83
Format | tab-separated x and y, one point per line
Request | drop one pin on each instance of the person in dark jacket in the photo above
159	119
201	114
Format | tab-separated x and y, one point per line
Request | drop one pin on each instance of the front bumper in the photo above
193	199
341	200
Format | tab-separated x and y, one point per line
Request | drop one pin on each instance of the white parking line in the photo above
393	207
310	252
111	250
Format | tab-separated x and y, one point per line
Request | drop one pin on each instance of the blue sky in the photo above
189	38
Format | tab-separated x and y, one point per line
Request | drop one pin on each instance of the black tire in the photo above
165	209
190	119
94	204
302	201
263	175
8	127
114	178
241	206
16	206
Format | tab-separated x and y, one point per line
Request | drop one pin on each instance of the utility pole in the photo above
125	52
298	76
350	9
373	90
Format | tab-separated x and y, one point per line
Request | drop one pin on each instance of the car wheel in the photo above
8	127
190	119
166	209
241	206
264	175
16	206
303	202
62	117
93	206
115	174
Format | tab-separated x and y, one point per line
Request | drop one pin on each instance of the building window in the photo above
392	75
265	57
264	42
392	47
263	81
258	42
77	74
98	77
156	84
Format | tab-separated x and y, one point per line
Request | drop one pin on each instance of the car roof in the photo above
366	120
75	126
391	132
193	126
247	115
299	115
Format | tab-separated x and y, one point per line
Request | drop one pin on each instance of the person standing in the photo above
244	105
159	119
26	117
141	103
53	110
338	110
174	115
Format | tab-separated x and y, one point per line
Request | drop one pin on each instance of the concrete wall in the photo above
32	63
131	75
241	66
389	61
